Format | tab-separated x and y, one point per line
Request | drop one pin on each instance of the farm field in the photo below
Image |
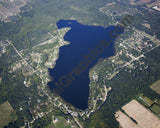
144	117
145	100
156	86
135	115
7	114
125	121
156	109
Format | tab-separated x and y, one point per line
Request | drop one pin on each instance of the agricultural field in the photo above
158	102
144	117
145	100
135	115
125	121
7	114
156	86
156	109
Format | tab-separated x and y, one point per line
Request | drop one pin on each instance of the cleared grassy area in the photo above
156	109
61	122
145	100
156	87
158	102
7	114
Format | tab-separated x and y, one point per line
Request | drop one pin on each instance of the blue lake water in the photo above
71	72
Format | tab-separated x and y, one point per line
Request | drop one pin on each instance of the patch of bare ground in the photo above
125	121
134	2
147	25
10	7
0	80
144	117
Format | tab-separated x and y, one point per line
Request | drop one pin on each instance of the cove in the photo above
82	38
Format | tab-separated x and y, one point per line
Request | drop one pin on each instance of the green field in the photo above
158	103
156	109
156	86
7	114
145	100
61	122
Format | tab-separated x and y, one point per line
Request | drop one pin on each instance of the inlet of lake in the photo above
84	39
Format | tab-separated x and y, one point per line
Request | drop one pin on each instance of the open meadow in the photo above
7	114
156	86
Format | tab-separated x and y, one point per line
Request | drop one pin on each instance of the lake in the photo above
71	72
